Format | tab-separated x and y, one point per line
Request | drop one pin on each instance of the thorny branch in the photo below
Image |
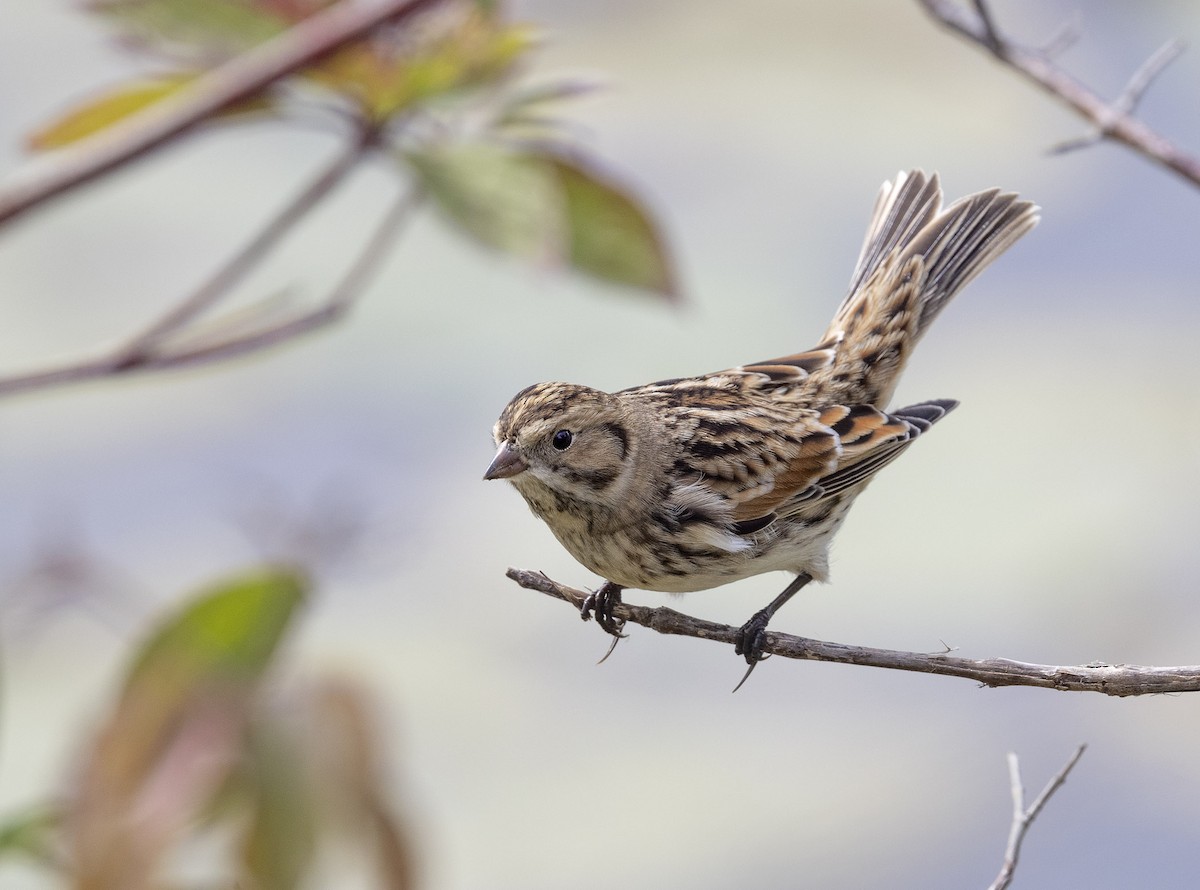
1113	120
1108	679
240	78
1023	817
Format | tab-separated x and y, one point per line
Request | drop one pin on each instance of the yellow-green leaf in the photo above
385	80
504	199
227	634
211	27
176	732
32	834
116	104
611	236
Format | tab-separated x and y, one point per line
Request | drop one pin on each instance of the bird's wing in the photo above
841	448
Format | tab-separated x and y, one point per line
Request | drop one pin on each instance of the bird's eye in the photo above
562	440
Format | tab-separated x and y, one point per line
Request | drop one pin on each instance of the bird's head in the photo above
573	440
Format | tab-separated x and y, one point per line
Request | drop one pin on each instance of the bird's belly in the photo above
633	559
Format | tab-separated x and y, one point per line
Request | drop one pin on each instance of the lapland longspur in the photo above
691	483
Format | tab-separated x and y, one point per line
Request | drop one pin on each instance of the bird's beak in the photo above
506	464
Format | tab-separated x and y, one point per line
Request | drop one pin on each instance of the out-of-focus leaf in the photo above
32	834
504	199
348	761
528	105
214	27
280	839
229	633
383	79
541	206
611	236
175	733
120	102
220	643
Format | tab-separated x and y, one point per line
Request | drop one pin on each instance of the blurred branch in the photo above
1022	818
154	349
1116	680
251	338
218	286
236	80
1113	120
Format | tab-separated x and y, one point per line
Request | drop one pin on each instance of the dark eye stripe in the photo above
618	432
597	480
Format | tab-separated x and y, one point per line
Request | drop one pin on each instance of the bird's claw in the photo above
616	639
750	642
752	637
601	604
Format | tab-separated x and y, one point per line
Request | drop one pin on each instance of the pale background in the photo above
1052	518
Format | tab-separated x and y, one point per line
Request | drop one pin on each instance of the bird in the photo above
694	482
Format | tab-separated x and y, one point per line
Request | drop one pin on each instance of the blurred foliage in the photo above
207	746
538	203
120	102
439	91
198	744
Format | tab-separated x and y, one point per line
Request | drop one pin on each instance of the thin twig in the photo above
1022	818
1145	75
143	352
239	78
990	35
219	285
336	304
1110	120
1127	102
226	342
1107	679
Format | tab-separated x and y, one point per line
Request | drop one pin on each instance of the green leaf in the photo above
33	834
118	103
213	26
176	733
611	236
504	199
528	105
384	80
541	206
227	634
280	837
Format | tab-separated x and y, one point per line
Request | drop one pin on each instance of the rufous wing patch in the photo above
809	456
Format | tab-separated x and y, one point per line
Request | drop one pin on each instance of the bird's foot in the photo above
601	604
750	642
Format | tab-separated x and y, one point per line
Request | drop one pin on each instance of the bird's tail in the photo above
914	259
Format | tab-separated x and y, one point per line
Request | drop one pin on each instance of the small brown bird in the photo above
692	483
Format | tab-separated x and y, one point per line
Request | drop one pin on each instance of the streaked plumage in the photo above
687	484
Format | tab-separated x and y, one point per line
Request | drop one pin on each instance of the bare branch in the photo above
1108	679
1111	120
238	79
151	351
1022	818
339	301
219	285
991	36
1126	103
1145	75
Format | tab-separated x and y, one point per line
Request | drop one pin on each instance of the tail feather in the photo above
902	210
914	259
964	240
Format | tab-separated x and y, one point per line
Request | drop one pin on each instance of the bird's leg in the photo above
753	634
601	602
